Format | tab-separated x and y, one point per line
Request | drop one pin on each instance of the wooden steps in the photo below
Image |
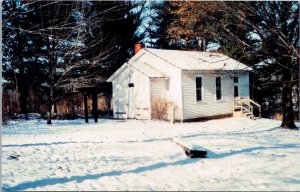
244	107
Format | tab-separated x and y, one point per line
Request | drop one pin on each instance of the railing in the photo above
257	105
240	102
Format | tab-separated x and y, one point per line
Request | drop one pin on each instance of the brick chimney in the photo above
138	47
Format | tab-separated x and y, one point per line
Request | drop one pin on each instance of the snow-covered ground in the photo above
243	154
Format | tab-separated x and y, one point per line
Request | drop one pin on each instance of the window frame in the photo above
221	88
236	84
201	91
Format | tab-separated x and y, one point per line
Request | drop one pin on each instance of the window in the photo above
199	89
130	84
236	86
235	79
218	88
236	91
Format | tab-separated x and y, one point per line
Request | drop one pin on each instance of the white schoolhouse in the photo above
198	84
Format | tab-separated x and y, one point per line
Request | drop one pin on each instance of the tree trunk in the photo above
50	106
49	114
108	101
86	114
287	107
23	99
23	103
73	107
94	106
55	107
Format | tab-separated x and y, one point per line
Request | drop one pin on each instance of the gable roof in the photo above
147	70
143	68
195	60
185	60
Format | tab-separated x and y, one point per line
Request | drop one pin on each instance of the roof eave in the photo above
137	55
114	76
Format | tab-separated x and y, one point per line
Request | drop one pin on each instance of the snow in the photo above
195	60
147	70
243	154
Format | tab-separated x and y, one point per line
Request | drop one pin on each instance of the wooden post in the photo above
241	106
108	101
233	106
172	114
94	106
260	112
86	114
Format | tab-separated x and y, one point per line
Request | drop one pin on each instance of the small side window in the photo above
130	84
218	88
198	89
235	79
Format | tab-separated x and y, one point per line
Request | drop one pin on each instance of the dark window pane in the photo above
198	82
236	91
218	81
130	84
219	96
218	88
235	79
199	95
198	88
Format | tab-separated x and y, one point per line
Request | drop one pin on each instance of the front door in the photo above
130	105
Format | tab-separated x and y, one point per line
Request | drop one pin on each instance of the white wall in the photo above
175	84
210	106
244	85
135	102
160	88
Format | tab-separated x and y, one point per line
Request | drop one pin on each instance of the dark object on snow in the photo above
192	153
195	153
14	156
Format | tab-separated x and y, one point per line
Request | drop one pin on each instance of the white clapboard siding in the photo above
159	88
209	106
174	74
151	69
127	100
244	84
142	90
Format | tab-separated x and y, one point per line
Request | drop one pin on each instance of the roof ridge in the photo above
161	58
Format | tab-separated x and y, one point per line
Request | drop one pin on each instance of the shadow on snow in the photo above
62	180
211	155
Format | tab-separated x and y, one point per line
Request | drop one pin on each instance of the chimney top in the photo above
138	47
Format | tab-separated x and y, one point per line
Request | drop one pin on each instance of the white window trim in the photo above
202	89
222	98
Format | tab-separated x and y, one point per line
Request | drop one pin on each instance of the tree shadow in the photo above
244	132
48	144
240	132
81	178
213	155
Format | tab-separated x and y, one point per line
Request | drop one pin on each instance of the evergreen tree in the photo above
18	50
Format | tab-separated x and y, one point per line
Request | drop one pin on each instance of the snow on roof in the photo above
142	68
147	70
195	60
